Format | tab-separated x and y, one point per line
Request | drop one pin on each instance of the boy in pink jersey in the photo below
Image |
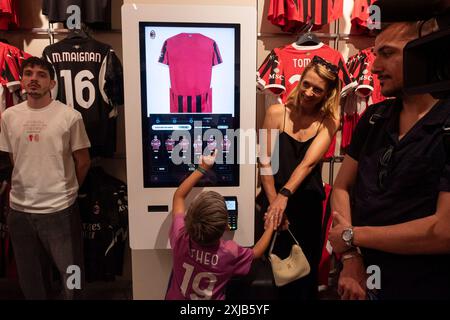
203	263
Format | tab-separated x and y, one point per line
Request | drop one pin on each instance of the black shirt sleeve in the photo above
444	183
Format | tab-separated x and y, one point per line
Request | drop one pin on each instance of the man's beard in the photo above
37	95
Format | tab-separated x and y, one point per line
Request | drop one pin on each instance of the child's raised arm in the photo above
205	163
262	244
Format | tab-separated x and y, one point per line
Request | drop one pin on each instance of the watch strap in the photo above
285	192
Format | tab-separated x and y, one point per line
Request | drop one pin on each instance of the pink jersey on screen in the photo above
190	57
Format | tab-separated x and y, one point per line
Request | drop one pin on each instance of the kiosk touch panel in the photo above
190	94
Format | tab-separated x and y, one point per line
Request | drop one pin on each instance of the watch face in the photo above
347	235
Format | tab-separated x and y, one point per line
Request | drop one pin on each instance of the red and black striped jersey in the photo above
360	66
291	15
9	14
367	92
11	59
360	15
282	68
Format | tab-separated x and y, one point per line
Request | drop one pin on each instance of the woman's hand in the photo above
276	209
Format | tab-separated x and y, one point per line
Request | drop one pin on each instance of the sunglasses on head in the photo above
328	65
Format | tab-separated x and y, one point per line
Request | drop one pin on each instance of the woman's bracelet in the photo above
202	170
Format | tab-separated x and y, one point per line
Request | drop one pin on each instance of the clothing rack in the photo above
286	34
339	36
331	162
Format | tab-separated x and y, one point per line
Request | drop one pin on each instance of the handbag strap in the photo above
275	237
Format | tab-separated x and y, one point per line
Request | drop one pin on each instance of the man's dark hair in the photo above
35	61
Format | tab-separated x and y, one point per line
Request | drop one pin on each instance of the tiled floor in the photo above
122	290
114	290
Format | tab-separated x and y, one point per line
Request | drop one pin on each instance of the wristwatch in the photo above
347	236
285	192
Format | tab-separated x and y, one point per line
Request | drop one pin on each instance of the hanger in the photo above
81	33
308	38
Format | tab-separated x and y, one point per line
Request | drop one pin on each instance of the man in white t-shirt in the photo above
48	146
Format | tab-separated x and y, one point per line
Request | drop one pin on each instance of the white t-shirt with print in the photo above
42	141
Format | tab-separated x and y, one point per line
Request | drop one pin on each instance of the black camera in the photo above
426	63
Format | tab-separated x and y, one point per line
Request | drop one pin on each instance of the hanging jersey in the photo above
104	214
91	11
276	12
9	14
331	149
291	15
89	78
366	92
11	59
7	262
9	68
190	57
325	260
360	66
282	68
360	16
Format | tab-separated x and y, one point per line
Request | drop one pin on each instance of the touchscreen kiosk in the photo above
190	85
189	75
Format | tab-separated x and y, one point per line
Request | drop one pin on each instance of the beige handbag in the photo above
292	268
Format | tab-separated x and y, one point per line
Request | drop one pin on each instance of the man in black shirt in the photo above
392	194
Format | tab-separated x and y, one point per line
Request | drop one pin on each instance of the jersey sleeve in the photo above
78	136
243	261
270	74
163	57
114	80
176	228
217	58
347	80
11	71
364	77
353	64
22	56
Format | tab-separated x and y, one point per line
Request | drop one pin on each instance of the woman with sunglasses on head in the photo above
292	179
